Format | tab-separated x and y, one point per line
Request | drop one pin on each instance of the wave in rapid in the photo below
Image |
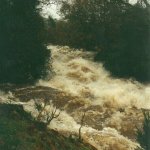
77	73
120	100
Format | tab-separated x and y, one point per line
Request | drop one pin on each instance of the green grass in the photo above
19	131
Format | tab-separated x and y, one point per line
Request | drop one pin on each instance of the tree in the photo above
92	21
81	125
45	114
143	136
128	55
84	22
23	56
119	29
51	30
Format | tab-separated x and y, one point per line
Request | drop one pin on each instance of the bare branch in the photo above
81	125
40	109
45	114
53	115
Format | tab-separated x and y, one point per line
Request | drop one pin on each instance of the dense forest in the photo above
23	55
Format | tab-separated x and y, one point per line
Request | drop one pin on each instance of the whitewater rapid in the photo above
112	106
77	73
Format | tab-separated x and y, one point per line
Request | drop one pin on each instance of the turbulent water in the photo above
117	102
112	107
77	73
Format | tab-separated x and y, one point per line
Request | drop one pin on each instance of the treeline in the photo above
23	55
116	29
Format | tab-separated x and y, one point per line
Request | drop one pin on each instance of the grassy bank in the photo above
19	131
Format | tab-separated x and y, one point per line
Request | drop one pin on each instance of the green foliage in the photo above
119	30
83	23
23	56
143	136
51	30
18	131
89	23
128	54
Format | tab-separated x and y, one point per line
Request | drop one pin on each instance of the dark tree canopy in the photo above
143	135
23	56
128	55
119	30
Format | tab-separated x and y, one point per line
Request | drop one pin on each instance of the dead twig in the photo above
81	125
44	114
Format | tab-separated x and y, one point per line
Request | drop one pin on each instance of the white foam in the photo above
77	74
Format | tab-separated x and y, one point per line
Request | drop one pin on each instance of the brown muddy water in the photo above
112	107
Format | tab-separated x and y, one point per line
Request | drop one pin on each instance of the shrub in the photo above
143	136
23	56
